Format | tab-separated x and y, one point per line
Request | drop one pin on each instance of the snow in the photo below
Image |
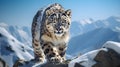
113	45
23	33
16	45
86	21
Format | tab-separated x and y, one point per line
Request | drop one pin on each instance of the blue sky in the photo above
21	12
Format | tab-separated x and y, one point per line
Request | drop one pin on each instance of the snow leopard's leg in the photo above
62	51
51	53
38	52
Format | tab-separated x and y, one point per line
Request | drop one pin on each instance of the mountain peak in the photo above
86	21
3	24
113	18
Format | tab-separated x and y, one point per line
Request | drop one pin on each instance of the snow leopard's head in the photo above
58	22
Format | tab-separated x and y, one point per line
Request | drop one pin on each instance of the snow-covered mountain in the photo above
14	44
22	34
86	25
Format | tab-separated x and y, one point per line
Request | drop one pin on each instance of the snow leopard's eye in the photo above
68	23
52	16
63	22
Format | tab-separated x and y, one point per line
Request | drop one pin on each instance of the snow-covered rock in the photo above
113	45
87	59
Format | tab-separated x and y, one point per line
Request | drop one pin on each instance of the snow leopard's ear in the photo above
68	12
47	13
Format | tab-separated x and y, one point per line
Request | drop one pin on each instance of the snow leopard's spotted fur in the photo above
50	33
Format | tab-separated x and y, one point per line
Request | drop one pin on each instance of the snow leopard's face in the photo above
59	23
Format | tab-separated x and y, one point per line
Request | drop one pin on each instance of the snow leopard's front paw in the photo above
39	60
55	60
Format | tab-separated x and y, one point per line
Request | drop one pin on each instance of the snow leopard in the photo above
50	33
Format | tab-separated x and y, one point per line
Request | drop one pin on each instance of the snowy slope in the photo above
22	34
11	49
91	40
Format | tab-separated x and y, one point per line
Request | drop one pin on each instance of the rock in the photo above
78	65
107	59
54	65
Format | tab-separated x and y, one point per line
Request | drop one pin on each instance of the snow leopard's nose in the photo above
59	29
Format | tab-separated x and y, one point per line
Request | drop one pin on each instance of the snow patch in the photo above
113	45
22	33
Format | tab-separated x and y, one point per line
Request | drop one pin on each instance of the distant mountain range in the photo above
83	26
93	34
91	40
